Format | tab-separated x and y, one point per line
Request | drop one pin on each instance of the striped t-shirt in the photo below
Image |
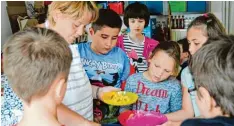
129	45
78	96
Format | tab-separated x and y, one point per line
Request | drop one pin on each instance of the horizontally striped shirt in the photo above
78	96
129	45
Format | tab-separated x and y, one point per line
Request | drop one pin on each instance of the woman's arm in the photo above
97	92
70	118
187	108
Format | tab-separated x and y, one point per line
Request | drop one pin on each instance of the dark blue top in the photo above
217	121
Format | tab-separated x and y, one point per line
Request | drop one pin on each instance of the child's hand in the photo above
102	90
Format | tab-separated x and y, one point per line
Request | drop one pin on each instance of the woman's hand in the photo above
102	90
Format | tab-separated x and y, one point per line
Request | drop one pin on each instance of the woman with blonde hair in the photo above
69	20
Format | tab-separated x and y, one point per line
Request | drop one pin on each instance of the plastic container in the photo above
118	7
141	118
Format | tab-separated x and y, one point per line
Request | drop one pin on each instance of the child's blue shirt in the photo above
163	97
110	68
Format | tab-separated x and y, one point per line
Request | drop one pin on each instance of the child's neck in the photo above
42	114
147	76
137	38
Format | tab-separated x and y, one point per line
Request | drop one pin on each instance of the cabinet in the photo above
196	6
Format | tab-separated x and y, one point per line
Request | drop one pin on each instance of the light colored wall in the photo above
5	24
216	8
224	10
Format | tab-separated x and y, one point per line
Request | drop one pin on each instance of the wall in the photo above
5	24
224	11
215	7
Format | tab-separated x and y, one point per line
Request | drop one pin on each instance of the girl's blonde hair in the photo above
173	50
75	9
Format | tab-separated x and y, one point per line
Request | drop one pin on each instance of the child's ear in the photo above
91	31
60	90
206	98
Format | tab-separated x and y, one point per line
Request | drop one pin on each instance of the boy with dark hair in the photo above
37	63
213	70
184	54
105	64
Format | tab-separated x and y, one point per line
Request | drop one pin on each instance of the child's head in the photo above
136	17
69	18
202	28
164	61
105	30
37	62
213	71
184	49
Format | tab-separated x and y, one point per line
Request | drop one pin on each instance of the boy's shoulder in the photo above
217	121
118	50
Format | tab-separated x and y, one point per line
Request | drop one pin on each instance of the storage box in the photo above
102	5
196	6
118	7
178	6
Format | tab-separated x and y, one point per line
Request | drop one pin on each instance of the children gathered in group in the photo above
135	44
102	65
157	88
37	63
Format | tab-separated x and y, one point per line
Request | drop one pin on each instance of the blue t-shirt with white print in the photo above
104	70
110	69
163	97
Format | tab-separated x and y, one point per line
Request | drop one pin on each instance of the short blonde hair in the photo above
173	50
75	9
33	58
